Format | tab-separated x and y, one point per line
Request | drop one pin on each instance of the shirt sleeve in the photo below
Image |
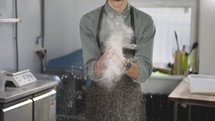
143	55
91	51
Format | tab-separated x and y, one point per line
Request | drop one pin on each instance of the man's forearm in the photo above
134	71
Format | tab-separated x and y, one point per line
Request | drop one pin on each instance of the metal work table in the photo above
181	94
32	102
13	93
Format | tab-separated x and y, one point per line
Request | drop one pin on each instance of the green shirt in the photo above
144	33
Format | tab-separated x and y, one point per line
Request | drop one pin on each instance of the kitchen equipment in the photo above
19	112
20	78
177	62
162	70
129	50
203	84
195	45
45	106
130	46
2	80
33	102
184	61
176	37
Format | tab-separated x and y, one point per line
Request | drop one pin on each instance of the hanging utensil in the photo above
176	37
195	45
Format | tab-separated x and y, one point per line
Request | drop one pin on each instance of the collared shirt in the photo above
144	33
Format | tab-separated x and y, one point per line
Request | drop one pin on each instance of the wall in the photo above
62	25
59	28
28	30
207	37
6	36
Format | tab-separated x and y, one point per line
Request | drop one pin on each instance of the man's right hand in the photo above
100	65
110	54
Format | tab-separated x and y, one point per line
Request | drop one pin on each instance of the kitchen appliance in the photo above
19	112
20	78
45	106
2	80
202	84
42	107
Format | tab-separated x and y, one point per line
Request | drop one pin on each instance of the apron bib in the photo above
123	102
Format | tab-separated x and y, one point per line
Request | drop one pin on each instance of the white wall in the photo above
6	36
62	25
29	29
59	35
82	7
207	37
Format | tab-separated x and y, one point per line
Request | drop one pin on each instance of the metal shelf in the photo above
10	20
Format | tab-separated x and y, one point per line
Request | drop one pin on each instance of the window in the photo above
169	17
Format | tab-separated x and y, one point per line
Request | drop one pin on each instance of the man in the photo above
123	100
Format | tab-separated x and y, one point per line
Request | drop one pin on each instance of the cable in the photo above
42	21
40	40
41	52
42	31
16	37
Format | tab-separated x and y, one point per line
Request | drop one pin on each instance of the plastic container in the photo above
2	80
184	61
178	63
203	84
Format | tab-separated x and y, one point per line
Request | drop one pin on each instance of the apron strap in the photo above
133	41
100	25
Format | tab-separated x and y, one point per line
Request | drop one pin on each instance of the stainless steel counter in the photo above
44	82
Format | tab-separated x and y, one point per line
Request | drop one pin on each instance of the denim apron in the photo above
123	102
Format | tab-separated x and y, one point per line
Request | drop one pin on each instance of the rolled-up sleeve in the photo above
91	51
143	55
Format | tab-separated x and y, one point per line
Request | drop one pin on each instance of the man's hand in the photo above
100	65
111	54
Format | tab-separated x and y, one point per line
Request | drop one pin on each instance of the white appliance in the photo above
20	78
